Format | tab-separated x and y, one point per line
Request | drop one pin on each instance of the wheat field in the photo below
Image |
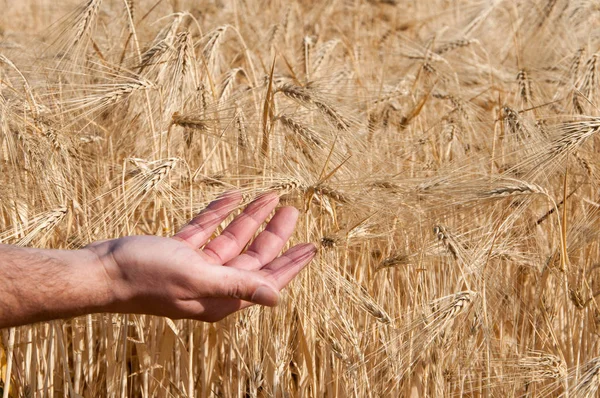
442	155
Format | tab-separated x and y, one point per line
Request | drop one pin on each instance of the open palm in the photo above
186	277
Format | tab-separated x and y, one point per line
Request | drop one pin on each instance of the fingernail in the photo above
265	295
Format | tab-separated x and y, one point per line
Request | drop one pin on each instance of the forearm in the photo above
39	285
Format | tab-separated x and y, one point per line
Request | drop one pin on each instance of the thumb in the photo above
244	285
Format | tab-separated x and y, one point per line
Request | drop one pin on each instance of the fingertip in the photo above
305	254
265	295
268	197
293	211
302	249
225	202
287	214
268	200
312	251
231	195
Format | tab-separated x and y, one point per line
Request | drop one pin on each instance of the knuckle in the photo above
231	237
213	253
237	289
277	238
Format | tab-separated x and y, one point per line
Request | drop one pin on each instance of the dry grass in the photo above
443	155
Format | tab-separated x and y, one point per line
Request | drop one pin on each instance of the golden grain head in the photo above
442	154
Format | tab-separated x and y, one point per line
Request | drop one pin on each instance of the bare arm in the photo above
38	285
179	277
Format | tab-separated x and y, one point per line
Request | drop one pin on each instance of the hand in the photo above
185	277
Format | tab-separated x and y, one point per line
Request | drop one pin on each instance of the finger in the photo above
283	269
231	283
201	227
268	243
241	288
234	238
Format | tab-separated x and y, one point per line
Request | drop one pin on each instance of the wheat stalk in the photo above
524	86
453	45
190	122
517	188
589	381
42	224
157	175
542	366
309	135
85	20
380	126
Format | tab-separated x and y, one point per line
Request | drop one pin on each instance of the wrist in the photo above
118	295
97	292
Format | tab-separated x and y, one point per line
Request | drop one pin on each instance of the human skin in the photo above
179	277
